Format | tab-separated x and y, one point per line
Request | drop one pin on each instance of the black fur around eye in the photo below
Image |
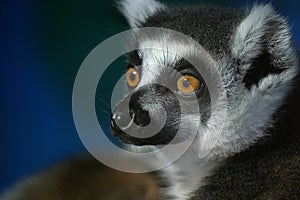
134	59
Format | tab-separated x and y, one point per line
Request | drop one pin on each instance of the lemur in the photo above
257	155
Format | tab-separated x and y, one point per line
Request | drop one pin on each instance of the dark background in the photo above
43	44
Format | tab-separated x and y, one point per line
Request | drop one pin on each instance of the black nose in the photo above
140	117
132	116
123	116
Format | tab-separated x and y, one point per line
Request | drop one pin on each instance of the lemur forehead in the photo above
163	52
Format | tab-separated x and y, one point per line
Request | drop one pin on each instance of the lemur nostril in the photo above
142	118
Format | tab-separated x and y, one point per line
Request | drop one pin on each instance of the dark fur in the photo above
199	23
268	170
256	73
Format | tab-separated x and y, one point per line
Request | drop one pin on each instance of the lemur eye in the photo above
188	84
132	77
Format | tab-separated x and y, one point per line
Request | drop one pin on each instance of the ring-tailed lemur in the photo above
257	156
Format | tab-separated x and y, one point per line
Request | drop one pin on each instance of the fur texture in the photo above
253	51
270	169
137	11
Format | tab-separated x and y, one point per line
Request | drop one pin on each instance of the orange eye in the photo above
188	84
132	77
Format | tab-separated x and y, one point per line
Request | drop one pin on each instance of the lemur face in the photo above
163	87
251	51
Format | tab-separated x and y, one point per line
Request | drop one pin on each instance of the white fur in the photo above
250	112
247	41
137	11
250	36
183	175
186	175
159	54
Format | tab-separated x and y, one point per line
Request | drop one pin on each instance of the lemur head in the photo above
251	50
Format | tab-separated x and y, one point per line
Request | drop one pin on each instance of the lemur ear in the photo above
137	11
262	45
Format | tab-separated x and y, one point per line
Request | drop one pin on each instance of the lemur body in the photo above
257	156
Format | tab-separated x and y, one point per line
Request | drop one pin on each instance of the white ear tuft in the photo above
263	30
137	11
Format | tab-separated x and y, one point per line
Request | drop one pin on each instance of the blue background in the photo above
43	44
